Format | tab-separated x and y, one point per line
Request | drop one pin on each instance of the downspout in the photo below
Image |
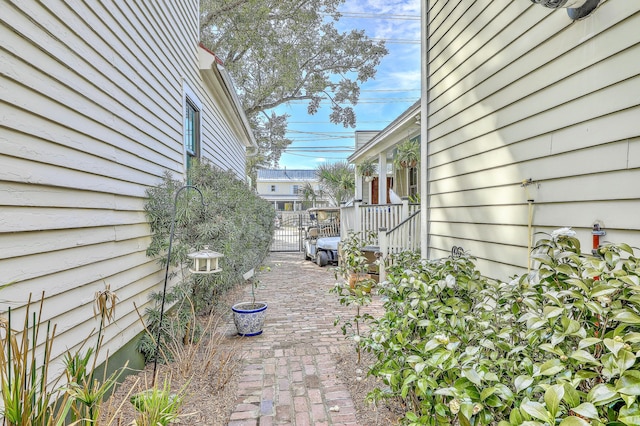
424	117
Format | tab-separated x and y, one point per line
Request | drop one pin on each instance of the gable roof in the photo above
287	174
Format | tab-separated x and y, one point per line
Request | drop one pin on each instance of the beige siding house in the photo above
283	188
97	101
532	123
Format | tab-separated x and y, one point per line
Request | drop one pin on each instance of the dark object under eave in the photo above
576	9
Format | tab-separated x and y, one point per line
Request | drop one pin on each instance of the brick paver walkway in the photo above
289	372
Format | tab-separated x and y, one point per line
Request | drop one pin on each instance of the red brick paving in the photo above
289	372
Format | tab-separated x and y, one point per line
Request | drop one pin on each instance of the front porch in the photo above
396	227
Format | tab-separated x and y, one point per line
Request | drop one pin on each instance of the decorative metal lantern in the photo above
205	261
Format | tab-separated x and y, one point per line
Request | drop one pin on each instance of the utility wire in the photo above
396	40
316	148
362	15
327	133
315	156
390	90
369	101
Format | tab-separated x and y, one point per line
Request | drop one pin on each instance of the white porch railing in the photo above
404	237
375	216
396	226
372	217
347	220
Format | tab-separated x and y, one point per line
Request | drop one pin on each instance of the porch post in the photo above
356	216
358	186
405	208
382	179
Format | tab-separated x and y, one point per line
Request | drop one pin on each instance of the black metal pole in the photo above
166	274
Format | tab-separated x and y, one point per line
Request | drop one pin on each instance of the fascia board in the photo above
391	135
217	79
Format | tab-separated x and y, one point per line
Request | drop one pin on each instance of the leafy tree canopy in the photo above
280	51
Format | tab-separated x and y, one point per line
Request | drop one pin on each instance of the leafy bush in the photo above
355	287
158	406
233	221
31	393
555	346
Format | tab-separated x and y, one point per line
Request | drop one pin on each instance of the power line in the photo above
319	147
390	90
323	133
315	156
362	15
323	123
396	40
315	140
318	150
365	101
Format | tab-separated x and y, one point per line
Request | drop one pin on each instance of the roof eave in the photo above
217	77
381	142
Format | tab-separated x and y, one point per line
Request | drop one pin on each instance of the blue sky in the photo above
395	88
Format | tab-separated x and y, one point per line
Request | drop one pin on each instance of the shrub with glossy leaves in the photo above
555	346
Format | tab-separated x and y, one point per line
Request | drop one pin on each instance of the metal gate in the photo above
289	233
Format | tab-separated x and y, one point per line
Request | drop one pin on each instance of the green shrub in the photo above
555	346
158	406
354	287
234	221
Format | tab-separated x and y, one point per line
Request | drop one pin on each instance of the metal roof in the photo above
287	174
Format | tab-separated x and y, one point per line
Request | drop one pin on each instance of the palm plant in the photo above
408	153
367	167
309	194
337	180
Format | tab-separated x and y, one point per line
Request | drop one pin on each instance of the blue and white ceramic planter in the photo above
249	317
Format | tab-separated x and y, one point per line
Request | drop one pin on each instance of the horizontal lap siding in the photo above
90	116
517	92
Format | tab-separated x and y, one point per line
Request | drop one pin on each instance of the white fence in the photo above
373	217
405	236
396	226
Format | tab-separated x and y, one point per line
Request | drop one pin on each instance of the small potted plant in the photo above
367	168
249	316
407	154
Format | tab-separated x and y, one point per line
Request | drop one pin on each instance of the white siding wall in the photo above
90	115
519	91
